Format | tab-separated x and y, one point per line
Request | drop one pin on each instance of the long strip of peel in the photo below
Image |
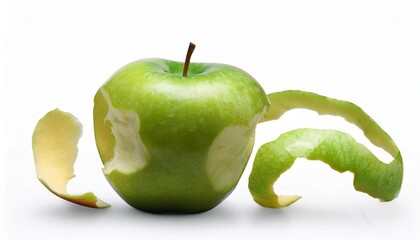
337	149
54	144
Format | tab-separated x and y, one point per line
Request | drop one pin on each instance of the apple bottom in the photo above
164	193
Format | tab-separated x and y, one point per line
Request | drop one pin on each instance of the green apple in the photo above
176	143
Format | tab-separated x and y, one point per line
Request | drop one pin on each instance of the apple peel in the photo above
339	150
54	144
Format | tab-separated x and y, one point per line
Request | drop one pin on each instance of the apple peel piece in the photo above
339	150
54	144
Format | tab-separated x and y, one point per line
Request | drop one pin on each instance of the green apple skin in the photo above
176	144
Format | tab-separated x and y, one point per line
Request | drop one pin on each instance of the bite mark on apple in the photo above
229	154
130	153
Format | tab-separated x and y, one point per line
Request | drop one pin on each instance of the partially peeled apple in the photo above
176	143
176	137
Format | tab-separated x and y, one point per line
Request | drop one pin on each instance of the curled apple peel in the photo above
54	144
339	150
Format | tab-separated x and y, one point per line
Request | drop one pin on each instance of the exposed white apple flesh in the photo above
229	153
130	154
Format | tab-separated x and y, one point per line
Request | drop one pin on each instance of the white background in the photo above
58	53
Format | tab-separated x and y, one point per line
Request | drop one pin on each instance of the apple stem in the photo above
190	51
